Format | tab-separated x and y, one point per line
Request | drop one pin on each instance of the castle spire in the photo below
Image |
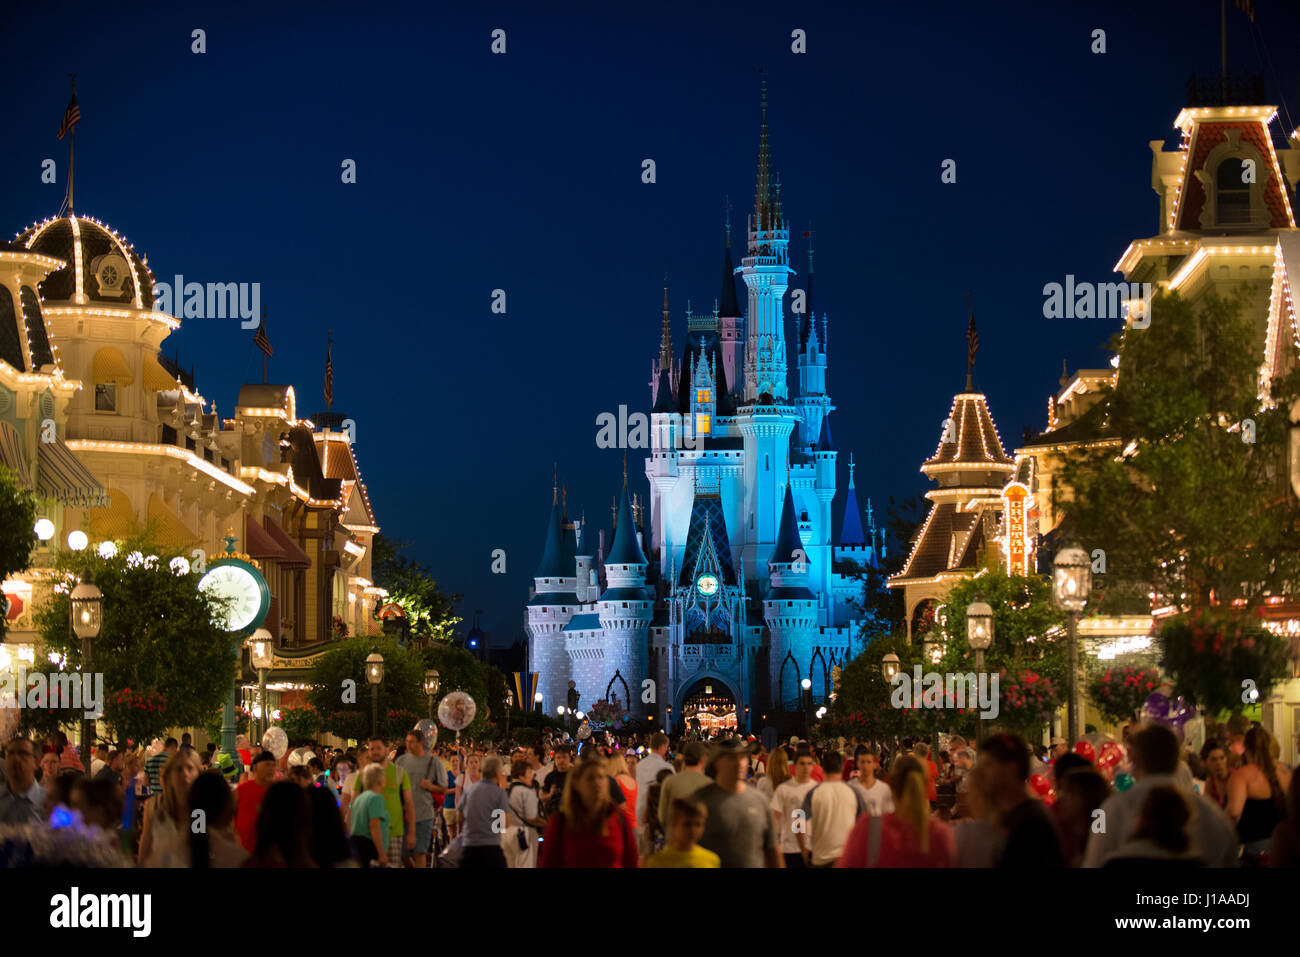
666	343
555	483
764	205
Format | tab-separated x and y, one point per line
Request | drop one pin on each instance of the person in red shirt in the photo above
906	836
589	831
922	752
248	799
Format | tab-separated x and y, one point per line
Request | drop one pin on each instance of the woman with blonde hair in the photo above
1257	796
616	766
589	831
906	836
778	771
167	815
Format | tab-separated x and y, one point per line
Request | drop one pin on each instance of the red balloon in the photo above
1042	787
1085	750
1111	755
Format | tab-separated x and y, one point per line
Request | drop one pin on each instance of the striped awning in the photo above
117	521
110	366
258	542
294	556
169	529
156	378
61	476
11	454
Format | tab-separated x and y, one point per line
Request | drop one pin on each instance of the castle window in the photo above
701	423
1232	193
701	396
105	397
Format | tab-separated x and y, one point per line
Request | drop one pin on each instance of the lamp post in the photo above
889	669
806	685
262	655
510	706
432	681
87	618
374	675
979	632
537	702
1072	583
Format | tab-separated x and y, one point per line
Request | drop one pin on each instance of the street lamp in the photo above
261	653
806	685
1071	584
537	701
374	674
889	667
87	618
979	632
432	681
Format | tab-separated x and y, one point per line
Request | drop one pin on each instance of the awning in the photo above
110	366
11	454
114	522
258	542
156	378
62	477
294	556
170	530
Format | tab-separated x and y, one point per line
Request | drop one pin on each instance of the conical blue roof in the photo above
626	550
824	443
664	395
851	531
789	546
590	539
552	565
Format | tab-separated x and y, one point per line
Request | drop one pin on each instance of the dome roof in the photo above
102	265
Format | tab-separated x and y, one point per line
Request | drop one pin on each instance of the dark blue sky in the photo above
522	172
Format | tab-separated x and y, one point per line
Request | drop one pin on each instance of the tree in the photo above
342	696
429	612
1192	503
883	608
17	519
160	639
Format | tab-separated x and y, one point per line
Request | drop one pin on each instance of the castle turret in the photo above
625	609
553	603
790	608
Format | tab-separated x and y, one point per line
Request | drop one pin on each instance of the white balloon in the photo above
275	741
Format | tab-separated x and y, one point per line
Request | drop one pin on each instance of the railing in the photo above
1225	90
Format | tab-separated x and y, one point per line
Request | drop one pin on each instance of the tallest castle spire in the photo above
766	271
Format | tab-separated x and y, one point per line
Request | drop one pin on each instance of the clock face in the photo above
242	588
707	585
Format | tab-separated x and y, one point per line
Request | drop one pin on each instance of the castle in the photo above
734	591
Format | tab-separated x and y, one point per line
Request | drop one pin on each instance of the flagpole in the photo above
72	148
1223	43
263	350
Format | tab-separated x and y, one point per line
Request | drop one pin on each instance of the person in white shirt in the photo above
1155	754
647	771
787	808
876	794
831	808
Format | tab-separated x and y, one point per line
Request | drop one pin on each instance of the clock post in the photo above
236	578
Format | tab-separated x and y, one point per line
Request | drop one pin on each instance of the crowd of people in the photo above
646	801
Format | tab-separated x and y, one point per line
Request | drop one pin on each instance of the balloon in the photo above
457	710
427	729
1042	787
275	741
1111	755
1123	781
1173	713
1086	751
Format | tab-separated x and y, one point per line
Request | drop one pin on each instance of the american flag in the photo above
972	342
1247	7
71	116
260	339
329	375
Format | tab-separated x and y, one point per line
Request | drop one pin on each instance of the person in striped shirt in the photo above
153	767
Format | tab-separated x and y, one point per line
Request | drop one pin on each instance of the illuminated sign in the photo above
1016	540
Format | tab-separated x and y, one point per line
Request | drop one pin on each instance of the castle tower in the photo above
731	323
766	271
625	609
813	402
552	605
790	608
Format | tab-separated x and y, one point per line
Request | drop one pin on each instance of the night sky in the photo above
523	172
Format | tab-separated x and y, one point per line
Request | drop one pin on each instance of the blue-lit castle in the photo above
717	603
